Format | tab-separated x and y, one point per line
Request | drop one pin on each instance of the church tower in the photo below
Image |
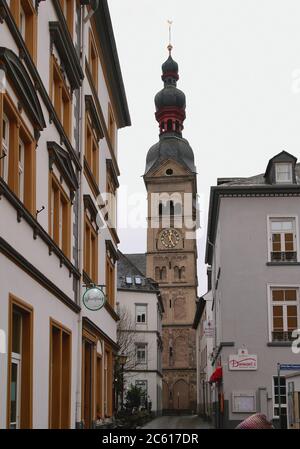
170	179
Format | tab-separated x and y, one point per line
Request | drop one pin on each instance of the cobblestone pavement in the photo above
178	422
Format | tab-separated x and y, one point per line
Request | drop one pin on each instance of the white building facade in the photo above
253	249
62	102
139	300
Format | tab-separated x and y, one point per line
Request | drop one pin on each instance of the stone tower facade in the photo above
170	179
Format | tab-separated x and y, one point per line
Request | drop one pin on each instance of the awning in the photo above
217	375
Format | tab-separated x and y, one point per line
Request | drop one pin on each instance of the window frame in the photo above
64	389
145	345
110	272
30	36
290	172
91	155
67	7
270	288
93	59
59	231
145	306
18	131
274	404
296	233
61	96
90	268
111	127
26	375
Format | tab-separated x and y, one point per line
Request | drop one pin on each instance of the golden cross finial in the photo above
170	47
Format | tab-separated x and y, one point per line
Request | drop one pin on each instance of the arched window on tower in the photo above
176	273
182	273
169	125
160	273
177	126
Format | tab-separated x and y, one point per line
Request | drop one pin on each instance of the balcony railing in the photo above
282	336
284	256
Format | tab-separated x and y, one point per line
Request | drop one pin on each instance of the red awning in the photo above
217	375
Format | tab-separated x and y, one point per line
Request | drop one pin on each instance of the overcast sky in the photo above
239	66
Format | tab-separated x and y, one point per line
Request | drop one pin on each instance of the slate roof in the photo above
134	265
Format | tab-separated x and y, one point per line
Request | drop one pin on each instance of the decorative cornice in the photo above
64	164
38	230
24	87
69	59
108	46
96	123
37	275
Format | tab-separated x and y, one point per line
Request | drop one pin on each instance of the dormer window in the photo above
284	173
128	280
138	280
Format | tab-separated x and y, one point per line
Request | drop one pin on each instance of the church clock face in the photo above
169	238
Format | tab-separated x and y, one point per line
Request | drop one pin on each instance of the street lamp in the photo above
122	360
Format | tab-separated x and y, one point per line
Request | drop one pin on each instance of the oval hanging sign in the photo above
94	298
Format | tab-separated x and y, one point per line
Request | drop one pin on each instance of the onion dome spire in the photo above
170	101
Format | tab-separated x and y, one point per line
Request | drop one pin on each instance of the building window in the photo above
284	173
111	127
141	314
108	372
111	201
99	387
61	96
5	147
90	250
68	10
141	352
93	60
179	273
60	377
19	395
285	313
110	280
25	17
18	155
92	156
283	240
143	386
60	216
283	395
160	273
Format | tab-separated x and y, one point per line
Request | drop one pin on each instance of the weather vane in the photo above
170	47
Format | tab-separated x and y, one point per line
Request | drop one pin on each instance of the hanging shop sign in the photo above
94	298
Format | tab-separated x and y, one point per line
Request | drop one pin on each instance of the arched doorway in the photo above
181	395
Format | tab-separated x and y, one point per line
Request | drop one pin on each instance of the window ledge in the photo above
281	264
279	344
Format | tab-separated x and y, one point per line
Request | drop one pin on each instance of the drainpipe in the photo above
79	422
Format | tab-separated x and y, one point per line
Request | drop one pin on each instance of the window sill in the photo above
280	264
279	344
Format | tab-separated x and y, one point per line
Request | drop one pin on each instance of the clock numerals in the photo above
169	238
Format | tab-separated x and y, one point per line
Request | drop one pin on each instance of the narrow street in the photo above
178	422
